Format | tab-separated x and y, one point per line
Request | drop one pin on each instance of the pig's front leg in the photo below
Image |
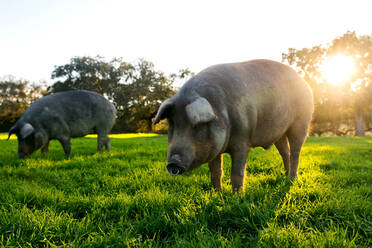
216	169
66	144
239	159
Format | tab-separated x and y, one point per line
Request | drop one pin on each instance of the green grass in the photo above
126	198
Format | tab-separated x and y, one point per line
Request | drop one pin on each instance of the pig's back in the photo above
81	111
263	98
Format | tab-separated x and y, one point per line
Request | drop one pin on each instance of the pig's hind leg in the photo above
283	148
103	140
108	143
296	137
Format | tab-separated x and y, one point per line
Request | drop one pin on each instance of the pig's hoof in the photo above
293	177
236	190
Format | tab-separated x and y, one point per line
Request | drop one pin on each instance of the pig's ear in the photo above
26	130
12	130
163	111
200	111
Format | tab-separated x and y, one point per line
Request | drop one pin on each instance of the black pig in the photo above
232	108
63	116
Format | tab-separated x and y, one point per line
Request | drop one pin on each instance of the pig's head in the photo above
196	135
29	139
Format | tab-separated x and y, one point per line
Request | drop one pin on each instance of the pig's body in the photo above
235	107
63	116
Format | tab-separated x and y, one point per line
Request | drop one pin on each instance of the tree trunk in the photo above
149	122
149	126
359	121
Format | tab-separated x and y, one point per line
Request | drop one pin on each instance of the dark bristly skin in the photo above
230	108
63	116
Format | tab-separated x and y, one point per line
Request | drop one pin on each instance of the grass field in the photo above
126	198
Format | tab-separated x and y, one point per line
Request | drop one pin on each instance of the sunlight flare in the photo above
338	69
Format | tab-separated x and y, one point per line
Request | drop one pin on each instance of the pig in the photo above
230	108
63	116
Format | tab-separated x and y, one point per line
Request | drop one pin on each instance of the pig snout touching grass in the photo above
230	108
63	116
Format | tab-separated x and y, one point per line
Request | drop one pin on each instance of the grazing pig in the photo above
232	108
63	116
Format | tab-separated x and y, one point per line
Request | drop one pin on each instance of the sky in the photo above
37	35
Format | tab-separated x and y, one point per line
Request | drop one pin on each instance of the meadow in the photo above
125	198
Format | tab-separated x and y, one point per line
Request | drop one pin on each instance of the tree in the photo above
360	88
336	108
141	94
136	89
94	74
15	96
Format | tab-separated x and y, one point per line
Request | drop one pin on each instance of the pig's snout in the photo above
174	166
175	169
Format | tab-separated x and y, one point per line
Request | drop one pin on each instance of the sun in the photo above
338	69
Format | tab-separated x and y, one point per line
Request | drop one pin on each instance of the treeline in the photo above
339	109
15	96
136	89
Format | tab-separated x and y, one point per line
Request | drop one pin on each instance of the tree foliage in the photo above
140	95
137	89
88	73
15	96
343	109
